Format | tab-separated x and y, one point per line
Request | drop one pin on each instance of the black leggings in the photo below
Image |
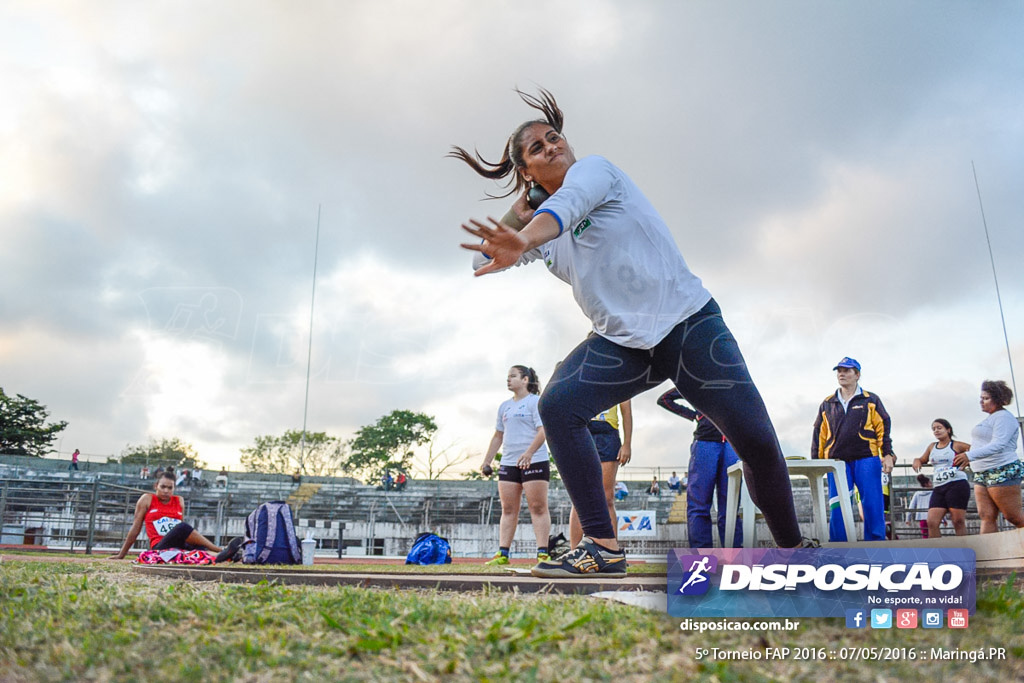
703	360
175	538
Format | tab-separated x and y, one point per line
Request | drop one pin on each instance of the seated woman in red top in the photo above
162	514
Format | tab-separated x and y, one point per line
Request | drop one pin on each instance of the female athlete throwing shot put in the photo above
652	320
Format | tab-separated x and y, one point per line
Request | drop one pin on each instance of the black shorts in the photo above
175	539
606	438
951	496
538	471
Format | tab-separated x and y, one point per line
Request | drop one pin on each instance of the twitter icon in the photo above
881	618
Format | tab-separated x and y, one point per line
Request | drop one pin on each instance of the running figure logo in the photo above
696	580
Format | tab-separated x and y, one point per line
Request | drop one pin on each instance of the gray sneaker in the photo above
587	561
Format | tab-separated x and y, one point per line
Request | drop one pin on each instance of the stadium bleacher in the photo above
41	502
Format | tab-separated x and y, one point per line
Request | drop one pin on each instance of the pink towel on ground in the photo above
176	557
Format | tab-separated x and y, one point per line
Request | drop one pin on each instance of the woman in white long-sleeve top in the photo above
998	470
652	320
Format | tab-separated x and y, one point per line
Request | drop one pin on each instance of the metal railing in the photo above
82	512
903	488
65	514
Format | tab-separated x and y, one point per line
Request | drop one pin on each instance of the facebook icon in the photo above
856	618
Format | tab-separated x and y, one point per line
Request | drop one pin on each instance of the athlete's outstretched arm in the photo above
141	507
504	245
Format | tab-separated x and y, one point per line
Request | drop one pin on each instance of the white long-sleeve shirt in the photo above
918	506
616	252
994	441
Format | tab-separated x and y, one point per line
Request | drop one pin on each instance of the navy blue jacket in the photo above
861	431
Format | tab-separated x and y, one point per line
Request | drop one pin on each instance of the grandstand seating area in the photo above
45	503
42	502
424	504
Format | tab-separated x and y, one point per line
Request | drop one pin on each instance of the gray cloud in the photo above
165	166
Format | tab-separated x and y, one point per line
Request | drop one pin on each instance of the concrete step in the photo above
302	495
677	515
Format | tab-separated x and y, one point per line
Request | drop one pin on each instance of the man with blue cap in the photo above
853	426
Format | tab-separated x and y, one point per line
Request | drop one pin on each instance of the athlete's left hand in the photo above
625	453
501	243
524	461
887	463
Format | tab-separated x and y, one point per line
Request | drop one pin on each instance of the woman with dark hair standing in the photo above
652	320
993	459
161	513
952	491
524	466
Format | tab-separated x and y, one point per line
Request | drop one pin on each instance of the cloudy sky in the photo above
163	166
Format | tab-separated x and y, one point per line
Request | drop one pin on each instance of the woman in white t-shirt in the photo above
993	458
951	490
917	508
524	466
652	320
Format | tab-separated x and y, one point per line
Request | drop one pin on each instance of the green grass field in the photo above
73	621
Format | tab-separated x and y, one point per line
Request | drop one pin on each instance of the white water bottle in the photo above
308	548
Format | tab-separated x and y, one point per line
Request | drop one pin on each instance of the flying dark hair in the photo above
512	157
945	423
532	383
998	391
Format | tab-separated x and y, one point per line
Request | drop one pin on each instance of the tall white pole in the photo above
309	354
999	299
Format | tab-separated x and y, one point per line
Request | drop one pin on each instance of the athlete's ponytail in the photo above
512	156
532	383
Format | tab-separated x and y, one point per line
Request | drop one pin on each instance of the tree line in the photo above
389	444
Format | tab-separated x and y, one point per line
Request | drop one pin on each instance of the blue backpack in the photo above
430	548
271	535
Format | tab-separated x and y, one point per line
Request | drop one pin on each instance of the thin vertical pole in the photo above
309	354
91	532
999	299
